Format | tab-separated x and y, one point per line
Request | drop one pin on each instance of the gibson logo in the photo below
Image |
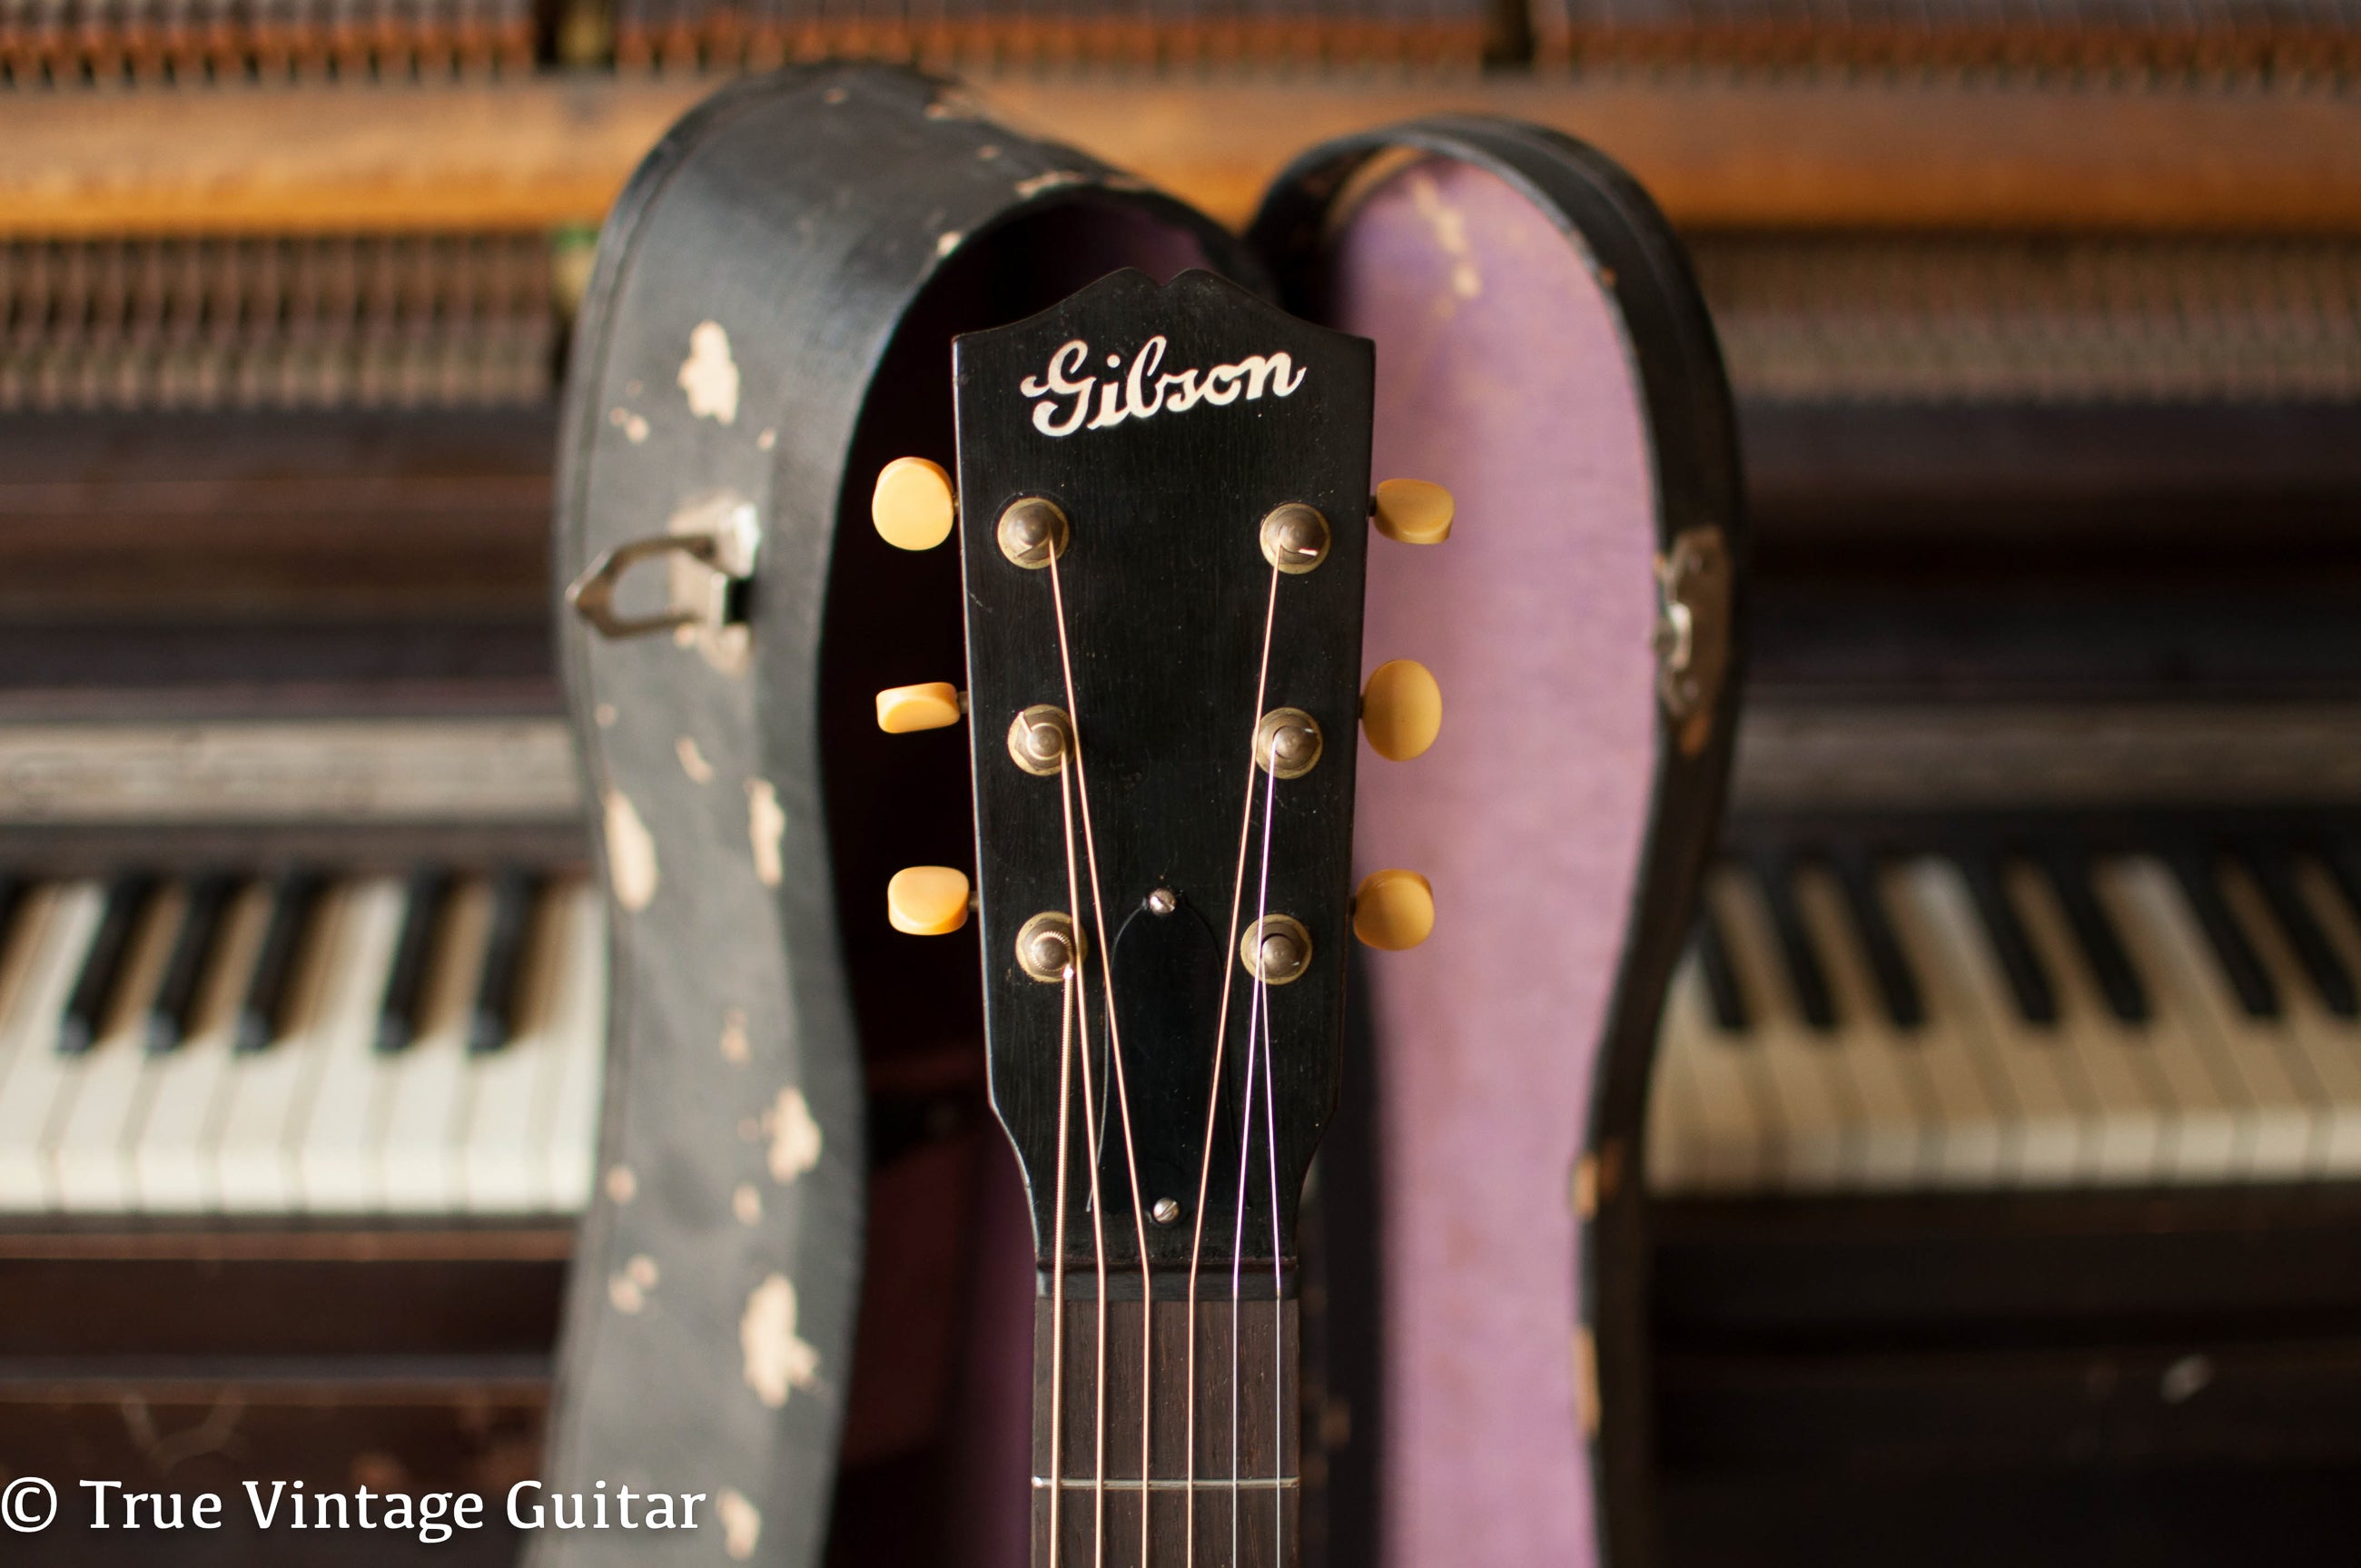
1143	393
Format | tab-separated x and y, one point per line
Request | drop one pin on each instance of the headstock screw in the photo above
1288	743
1295	538
1164	1210
1047	947
1276	949
1163	901
1038	739
1032	529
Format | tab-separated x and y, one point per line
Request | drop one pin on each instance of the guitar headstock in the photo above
1162	508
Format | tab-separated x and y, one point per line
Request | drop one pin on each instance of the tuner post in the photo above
904	710
1412	511
1039	739
1401	709
928	901
913	507
1033	531
1393	910
1294	538
1048	945
1288	743
1276	949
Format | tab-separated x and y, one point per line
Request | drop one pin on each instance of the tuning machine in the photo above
1412	511
913	507
1393	910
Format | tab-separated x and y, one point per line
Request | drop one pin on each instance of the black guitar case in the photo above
803	1289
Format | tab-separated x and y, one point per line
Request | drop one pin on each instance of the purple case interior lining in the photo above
1504	372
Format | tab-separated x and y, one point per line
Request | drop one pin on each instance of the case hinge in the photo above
1693	594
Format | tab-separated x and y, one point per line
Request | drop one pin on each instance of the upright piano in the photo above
2007	1124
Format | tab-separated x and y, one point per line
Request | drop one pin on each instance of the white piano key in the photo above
1967	1100
2282	1121
2335	1042
1809	1098
422	1157
2208	1126
2129	1140
335	1146
173	1165
505	1163
2329	1046
90	1148
1894	1142
2050	1108
256	1140
578	1026
36	1084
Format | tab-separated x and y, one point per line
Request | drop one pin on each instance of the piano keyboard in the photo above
373	1045
1969	1020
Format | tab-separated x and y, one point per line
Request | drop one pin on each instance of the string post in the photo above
1276	949
1048	948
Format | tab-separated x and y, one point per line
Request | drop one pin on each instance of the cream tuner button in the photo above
1401	709
1412	511
927	901
1393	910
933	706
912	505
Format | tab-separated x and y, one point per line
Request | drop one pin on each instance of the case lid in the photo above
1543	353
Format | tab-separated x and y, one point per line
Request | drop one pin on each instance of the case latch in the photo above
1693	631
712	549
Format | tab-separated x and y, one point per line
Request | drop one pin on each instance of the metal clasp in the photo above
1693	595
708	595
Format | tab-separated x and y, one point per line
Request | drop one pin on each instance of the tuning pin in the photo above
1401	709
927	901
1411	511
903	709
1393	910
912	506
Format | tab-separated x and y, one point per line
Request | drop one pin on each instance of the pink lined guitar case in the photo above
806	1280
1542	352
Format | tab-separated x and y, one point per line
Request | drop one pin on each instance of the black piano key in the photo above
2343	854
405	984
262	1014
2068	867
12	890
1721	987
175	1002
2273	870
1804	973
93	995
2193	867
1898	984
491	1021
2028	983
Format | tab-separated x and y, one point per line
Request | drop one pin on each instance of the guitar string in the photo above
1058	1274
1279	1315
1221	1039
1114	1054
1074	974
1258	1022
1238	1248
1270	1160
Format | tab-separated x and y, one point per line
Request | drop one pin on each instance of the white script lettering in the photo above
1099	406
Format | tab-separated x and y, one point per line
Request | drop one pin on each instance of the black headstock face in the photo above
1165	442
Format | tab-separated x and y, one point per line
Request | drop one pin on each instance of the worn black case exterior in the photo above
804	214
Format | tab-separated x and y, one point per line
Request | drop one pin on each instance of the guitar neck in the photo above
1109	1378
